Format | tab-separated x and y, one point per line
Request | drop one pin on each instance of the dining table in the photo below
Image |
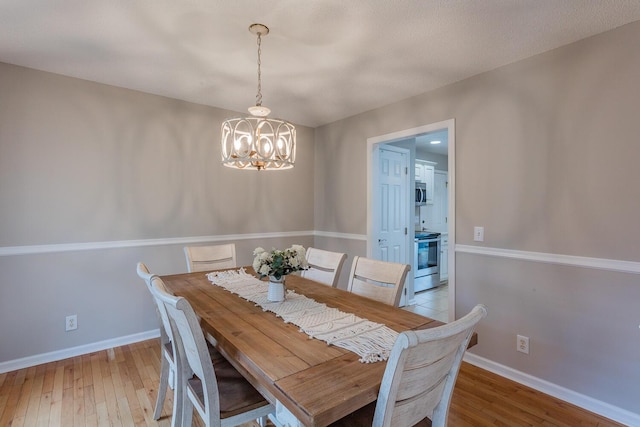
309	381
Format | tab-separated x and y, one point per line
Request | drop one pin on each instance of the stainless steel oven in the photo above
426	261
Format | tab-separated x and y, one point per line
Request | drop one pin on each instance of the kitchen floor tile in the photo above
433	303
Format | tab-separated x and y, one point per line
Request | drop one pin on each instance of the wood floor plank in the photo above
146	406
45	410
49	375
78	393
87	373
9	403
18	422
110	394
21	375
5	414
125	412
118	387
103	414
33	406
55	414
96	373
8	382
137	414
25	392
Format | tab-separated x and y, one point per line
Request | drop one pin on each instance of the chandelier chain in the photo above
259	94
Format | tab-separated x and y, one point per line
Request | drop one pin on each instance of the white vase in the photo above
276	289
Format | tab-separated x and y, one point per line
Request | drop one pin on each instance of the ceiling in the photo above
323	60
427	142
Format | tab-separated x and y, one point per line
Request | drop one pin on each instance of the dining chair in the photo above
211	385
167	364
208	258
324	266
420	376
379	280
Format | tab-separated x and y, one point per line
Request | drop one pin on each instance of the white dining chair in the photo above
168	357
208	258
379	280
420	376
324	266
219	393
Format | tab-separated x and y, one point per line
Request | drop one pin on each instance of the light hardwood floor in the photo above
118	387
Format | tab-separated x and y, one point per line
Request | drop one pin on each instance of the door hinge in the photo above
406	170
406	231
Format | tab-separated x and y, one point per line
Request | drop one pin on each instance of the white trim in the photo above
66	247
451	216
450	125
571	260
54	356
590	404
348	236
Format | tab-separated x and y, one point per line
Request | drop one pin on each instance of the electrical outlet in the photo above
522	344
71	323
478	234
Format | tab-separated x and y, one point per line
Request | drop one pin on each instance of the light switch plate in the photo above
478	234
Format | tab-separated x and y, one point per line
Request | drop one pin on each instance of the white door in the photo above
392	191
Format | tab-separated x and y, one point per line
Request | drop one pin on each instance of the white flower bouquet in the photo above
277	263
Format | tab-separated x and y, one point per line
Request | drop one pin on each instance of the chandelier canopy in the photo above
258	142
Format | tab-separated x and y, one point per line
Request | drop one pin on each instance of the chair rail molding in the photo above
116	244
571	260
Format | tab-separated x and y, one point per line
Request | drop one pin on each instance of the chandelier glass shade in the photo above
257	142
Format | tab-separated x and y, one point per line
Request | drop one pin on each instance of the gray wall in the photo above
547	161
82	163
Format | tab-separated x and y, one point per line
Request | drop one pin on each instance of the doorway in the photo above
372	144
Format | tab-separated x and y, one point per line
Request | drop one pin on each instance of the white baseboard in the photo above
66	353
590	404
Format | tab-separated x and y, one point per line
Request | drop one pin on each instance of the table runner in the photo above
369	340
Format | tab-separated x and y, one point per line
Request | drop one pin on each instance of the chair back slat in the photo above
324	266
379	280
208	258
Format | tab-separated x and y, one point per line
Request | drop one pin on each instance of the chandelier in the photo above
258	142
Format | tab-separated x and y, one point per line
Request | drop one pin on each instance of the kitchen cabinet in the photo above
425	173
444	257
439	211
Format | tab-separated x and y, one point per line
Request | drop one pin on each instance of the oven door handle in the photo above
427	240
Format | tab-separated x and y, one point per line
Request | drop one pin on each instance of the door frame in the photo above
448	124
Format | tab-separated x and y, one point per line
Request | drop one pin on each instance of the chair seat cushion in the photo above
236	394
363	417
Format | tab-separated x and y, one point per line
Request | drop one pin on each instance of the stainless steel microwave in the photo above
421	193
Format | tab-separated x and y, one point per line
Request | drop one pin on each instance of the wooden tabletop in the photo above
316	382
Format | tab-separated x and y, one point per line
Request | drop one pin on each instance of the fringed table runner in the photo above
369	340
